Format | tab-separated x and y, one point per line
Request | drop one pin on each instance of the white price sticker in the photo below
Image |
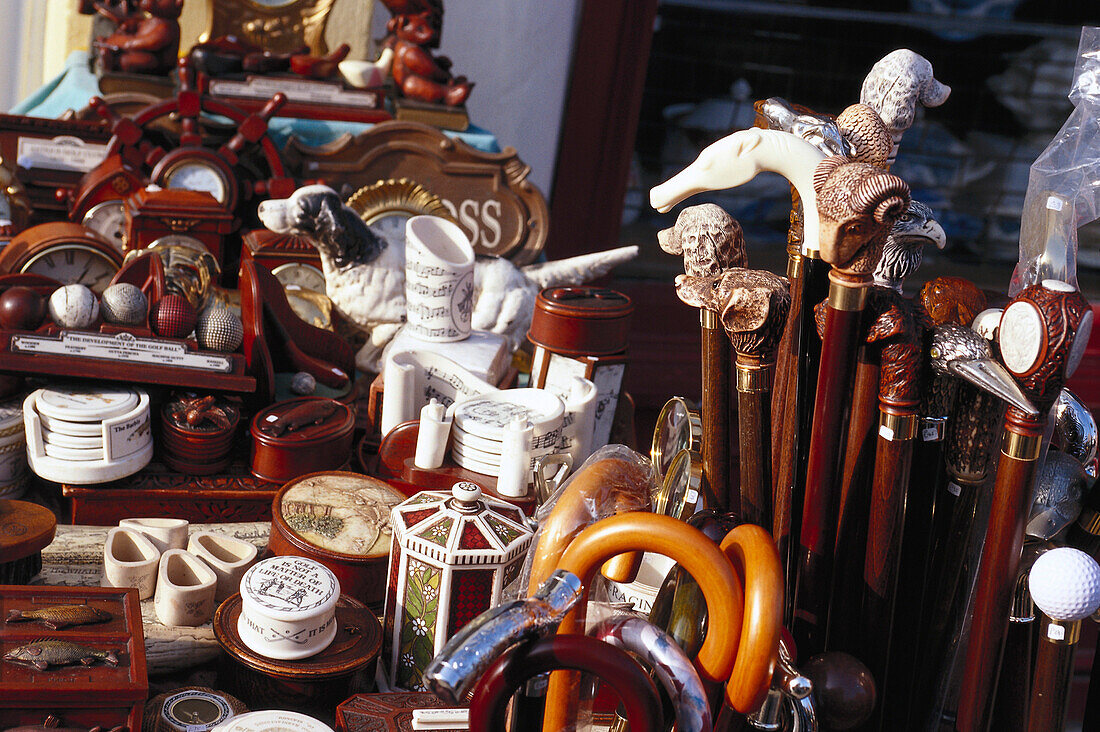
1056	632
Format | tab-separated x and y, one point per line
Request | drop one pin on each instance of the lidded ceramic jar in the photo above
453	554
288	607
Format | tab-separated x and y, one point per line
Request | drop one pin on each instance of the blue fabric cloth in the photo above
77	84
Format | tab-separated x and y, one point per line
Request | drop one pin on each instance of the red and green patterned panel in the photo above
418	624
471	595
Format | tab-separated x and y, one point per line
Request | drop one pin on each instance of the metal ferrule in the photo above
1022	609
1089	522
933	429
709	319
794	266
470	652
1076	427
755	379
897	427
1021	447
1062	632
846	297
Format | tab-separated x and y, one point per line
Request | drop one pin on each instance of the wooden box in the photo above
81	696
388	712
233	495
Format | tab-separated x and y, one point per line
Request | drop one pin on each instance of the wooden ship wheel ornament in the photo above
1042	336
191	164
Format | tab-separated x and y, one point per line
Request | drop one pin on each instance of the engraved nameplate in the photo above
311	92
60	153
121	347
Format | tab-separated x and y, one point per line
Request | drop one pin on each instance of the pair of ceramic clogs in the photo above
186	575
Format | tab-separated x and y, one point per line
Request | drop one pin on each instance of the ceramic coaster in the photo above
75	455
474	465
84	404
272	720
15	489
486	415
288	607
76	429
480	443
472	453
73	442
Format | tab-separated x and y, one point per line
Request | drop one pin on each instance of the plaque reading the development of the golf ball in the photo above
121	347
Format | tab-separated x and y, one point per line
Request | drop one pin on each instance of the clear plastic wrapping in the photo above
1063	190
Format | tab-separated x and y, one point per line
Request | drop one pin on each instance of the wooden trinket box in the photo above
341	520
301	436
313	685
392	712
157	490
82	696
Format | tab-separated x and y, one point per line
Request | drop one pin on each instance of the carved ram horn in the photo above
825	168
887	196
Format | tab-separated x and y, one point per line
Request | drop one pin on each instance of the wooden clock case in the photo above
152	214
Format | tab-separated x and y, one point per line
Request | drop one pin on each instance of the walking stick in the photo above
711	242
857	204
1043	333
735	160
752	306
1065	584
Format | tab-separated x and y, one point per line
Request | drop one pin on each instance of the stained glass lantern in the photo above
453	554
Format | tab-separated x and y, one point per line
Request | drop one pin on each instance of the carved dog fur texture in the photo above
709	238
752	306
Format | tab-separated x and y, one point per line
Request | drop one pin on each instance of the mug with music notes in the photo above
439	279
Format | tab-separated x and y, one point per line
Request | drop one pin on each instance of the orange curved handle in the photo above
752	552
696	553
608	480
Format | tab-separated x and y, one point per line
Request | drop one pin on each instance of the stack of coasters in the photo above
85	434
477	432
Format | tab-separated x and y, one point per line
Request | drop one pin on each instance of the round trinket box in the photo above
197	433
111	427
193	709
313	685
453	554
273	720
301	436
581	321
288	607
342	520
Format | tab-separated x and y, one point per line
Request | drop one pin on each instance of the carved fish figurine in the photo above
56	617
44	653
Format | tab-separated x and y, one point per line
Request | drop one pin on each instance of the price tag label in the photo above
1056	632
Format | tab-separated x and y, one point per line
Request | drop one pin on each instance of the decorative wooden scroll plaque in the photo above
487	194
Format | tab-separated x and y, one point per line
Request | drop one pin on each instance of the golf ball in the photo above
1065	584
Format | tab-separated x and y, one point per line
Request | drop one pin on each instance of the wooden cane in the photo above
1013	698
857	203
752	307
1065	584
1042	337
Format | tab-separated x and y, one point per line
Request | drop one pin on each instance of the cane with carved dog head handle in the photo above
1043	333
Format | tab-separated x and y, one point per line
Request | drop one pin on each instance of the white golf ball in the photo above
1065	584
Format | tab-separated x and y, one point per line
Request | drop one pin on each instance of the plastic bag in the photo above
614	479
1063	190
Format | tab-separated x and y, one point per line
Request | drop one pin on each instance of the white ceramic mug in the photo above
185	589
228	556
439	279
165	533
130	560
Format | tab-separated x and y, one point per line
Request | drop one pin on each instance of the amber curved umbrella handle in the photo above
614	666
752	552
675	539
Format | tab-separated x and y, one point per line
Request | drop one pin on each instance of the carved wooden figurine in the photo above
144	45
417	73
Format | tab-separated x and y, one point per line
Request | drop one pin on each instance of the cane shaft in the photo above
1050	687
817	540
1091	719
754	379
997	570
715	413
1010	712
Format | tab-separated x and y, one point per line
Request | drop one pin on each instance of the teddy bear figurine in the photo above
146	44
416	73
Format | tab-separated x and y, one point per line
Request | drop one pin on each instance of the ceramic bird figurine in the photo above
365	274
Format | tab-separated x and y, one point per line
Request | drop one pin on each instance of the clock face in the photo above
73	264
390	228
198	175
109	219
297	274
